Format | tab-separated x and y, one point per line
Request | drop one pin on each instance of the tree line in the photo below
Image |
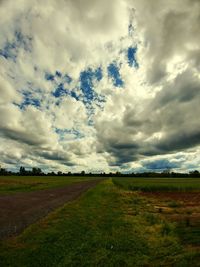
38	172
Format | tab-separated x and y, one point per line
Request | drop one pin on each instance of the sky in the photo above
100	86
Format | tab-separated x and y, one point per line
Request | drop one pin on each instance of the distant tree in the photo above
167	171
194	174
3	171
22	171
36	171
83	173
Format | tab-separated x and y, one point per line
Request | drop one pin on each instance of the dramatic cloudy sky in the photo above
100	85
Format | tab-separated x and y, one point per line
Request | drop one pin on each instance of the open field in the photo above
183	208
107	226
15	184
159	184
177	200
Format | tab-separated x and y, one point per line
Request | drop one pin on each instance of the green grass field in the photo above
14	184
159	184
107	226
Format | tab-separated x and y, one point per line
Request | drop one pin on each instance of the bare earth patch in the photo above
182	208
22	209
188	198
177	205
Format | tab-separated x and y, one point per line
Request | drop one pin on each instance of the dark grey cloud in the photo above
184	88
22	137
161	164
167	124
62	158
179	141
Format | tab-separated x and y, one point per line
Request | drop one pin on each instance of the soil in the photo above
187	209
22	209
188	198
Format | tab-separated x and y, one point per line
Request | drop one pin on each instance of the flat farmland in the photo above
115	226
177	200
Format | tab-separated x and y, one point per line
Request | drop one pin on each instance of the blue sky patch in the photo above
74	95
23	41
59	91
29	100
62	132
67	79
10	49
87	78
113	72
9	52
131	57
58	74
49	77
98	74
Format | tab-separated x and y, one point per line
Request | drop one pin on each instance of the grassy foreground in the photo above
107	226
14	184
159	184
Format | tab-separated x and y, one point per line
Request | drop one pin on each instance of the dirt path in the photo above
20	210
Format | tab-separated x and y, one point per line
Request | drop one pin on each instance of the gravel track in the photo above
22	209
